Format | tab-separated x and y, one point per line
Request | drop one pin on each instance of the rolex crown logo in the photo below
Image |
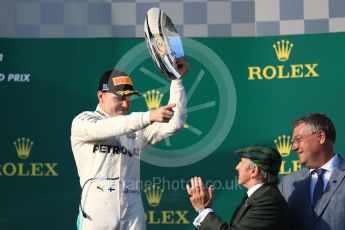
283	144
283	49
23	147
153	99
153	195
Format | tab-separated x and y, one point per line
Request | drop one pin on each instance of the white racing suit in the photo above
107	153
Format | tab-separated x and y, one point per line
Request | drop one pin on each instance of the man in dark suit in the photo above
263	207
316	193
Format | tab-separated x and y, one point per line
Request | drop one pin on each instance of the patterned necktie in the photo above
318	190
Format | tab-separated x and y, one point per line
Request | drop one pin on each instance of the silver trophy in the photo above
163	43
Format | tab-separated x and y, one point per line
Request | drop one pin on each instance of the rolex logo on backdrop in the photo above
283	50
153	195
153	99
283	144
155	214
23	147
290	162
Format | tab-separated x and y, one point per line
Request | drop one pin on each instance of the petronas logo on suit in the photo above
290	162
285	69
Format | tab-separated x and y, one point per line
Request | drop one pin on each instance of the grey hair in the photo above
265	177
318	121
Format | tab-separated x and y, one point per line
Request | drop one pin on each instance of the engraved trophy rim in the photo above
163	42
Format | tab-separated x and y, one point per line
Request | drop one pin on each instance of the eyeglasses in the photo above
298	140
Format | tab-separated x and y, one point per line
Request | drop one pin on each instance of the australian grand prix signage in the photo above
283	49
13	77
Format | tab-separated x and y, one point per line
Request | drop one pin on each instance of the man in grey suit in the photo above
316	193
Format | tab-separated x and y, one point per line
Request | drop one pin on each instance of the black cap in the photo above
268	159
116	82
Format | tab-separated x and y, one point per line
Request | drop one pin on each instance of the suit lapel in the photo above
304	199
234	218
334	181
247	203
240	212
300	194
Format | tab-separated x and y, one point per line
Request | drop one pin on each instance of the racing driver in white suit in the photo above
107	145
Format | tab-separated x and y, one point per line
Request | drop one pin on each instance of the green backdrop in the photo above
239	92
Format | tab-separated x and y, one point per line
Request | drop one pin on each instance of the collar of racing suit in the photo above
101	112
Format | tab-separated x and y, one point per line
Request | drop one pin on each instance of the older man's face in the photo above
244	171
